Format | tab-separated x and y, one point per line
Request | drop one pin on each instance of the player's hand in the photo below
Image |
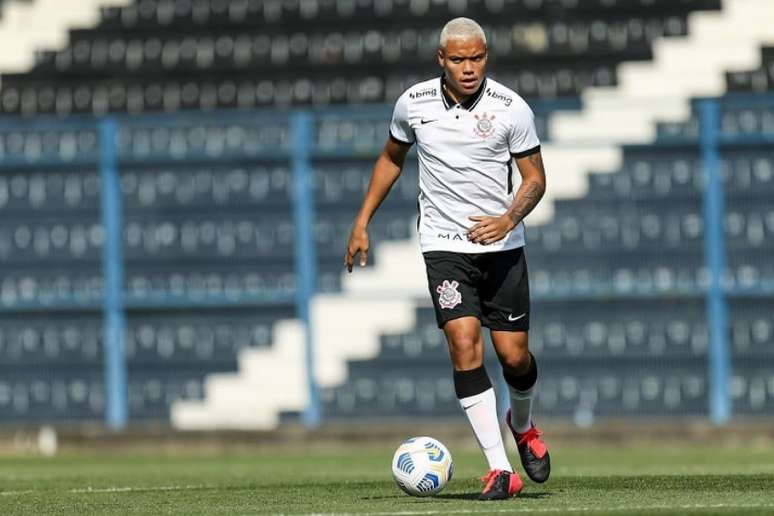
358	243
489	230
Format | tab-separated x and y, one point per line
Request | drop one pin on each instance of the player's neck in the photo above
455	96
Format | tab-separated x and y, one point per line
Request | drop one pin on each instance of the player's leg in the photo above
474	388
457	309
505	301
477	398
520	373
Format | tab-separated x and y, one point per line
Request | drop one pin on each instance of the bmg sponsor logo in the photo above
499	96
430	92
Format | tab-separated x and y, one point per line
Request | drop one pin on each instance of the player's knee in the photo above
464	351
464	344
516	361
461	336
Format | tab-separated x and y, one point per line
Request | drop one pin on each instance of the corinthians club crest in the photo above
484	126
449	296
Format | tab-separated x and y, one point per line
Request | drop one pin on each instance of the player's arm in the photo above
386	170
533	186
488	230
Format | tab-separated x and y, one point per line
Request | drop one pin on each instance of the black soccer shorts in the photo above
490	286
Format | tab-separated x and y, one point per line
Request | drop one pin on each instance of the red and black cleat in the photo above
533	452
500	485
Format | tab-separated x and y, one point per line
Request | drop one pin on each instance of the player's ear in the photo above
440	57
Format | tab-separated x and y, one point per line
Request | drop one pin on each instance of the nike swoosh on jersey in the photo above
512	318
423	121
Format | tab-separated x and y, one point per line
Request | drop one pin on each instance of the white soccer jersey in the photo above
465	154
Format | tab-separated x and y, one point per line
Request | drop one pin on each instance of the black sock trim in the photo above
471	382
526	381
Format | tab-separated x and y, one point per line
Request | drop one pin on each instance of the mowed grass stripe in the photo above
522	510
685	480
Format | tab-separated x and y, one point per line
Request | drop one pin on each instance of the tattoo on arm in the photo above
528	195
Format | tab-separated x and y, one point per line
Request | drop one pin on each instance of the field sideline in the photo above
644	480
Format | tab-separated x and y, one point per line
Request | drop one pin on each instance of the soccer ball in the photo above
422	466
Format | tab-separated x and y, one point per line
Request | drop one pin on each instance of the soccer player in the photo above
469	129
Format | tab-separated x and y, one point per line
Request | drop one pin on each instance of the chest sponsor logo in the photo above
430	92
484	125
499	96
451	236
448	295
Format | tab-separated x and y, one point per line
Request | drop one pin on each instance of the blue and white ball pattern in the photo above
422	466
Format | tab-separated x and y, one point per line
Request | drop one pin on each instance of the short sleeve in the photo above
523	139
400	129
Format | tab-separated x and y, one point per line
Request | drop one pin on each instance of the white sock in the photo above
481	410
521	408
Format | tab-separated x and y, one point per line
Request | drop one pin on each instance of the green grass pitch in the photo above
589	480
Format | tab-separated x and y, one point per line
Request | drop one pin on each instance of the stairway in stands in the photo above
29	25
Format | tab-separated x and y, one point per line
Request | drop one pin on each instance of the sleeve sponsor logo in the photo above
499	96
429	92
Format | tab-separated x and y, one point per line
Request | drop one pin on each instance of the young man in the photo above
468	130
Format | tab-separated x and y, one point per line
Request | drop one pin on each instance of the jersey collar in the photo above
469	103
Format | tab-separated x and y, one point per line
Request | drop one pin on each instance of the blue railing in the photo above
113	272
111	143
306	257
715	258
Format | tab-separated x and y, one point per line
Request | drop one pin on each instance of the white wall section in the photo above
26	27
648	92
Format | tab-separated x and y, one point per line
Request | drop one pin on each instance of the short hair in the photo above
461	28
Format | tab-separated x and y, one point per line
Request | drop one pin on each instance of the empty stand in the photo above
617	275
156	55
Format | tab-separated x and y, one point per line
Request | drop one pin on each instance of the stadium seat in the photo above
326	53
759	80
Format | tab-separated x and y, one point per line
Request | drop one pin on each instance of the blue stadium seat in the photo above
69	340
212	336
45	395
752	390
639	390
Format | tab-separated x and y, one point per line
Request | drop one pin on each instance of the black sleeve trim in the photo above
524	154
510	177
398	140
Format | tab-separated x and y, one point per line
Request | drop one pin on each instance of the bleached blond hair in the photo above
461	28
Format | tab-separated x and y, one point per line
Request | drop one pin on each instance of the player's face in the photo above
464	63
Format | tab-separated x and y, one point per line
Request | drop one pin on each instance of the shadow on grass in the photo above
455	496
474	496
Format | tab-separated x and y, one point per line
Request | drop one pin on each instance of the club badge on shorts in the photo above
449	296
484	126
